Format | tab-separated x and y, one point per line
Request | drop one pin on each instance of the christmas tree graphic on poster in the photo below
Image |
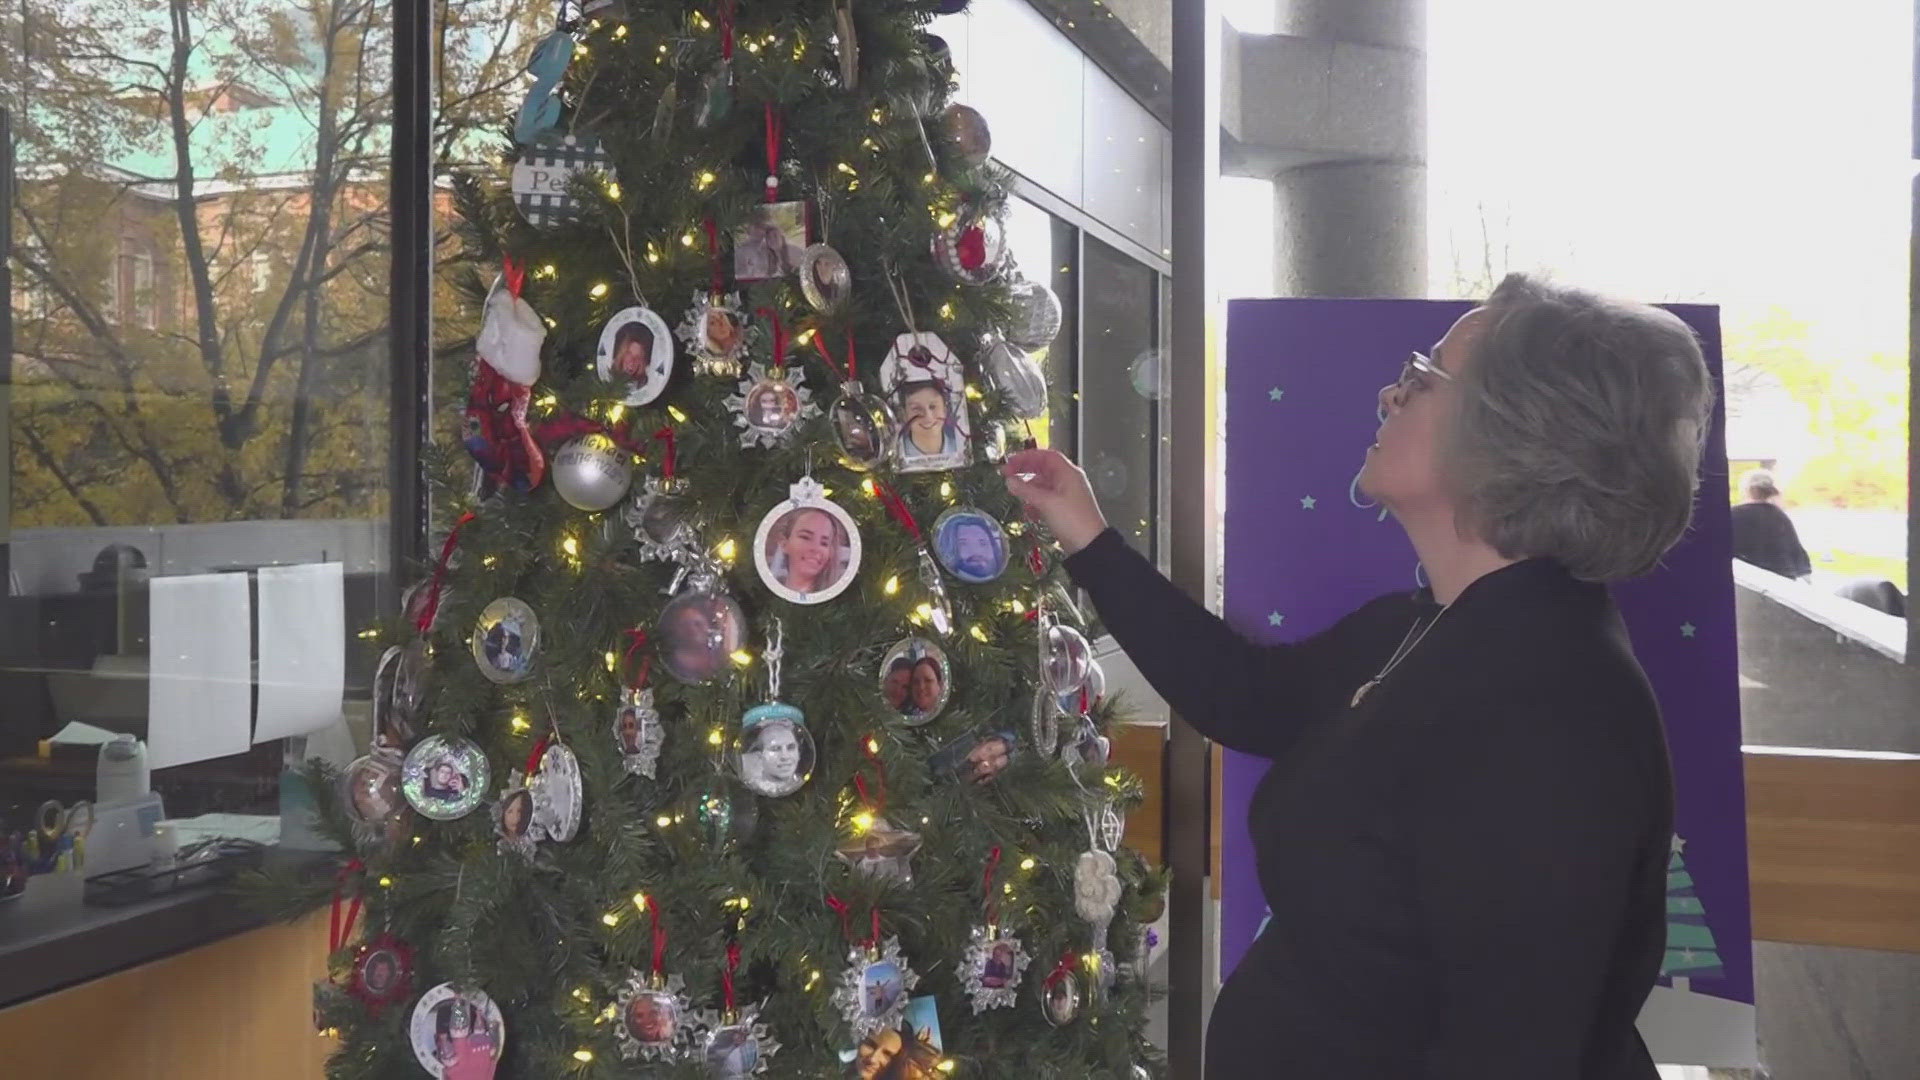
1690	949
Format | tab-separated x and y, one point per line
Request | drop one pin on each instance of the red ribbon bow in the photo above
665	435
898	507
431	608
733	965
638	638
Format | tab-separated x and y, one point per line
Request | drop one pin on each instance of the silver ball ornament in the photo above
592	472
967	135
1018	377
1068	658
1036	316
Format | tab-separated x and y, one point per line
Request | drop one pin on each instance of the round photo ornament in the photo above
774	753
636	352
863	424
445	777
557	793
825	280
971	544
505	640
370	794
661	517
807	549
700	630
456	1033
381	973
916	680
1068	656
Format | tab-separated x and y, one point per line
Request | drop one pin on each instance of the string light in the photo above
946	490
663	822
520	725
813	979
727	549
862	822
489	561
799	48
369	635
1028	863
386	883
753	47
640	900
686	240
704	181
611	918
927	179
870	144
973	392
892	586
583	1055
879	115
946	311
678	416
946	1065
571	546
598	291
978	634
873	745
550	323
548	270
619	32
547	401
868	486
612	661
580	993
947	219
417	839
741	658
653	254
700	21
848	169
613	189
619	410
805	337
714	737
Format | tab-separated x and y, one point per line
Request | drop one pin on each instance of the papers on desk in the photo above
303	649
199	681
79	734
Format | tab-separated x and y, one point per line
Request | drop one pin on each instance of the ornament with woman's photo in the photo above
872	995
993	967
824	278
915	680
513	821
716	332
807	548
771	404
653	1017
636	352
774	752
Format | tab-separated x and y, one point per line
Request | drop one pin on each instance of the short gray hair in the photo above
1579	432
1760	484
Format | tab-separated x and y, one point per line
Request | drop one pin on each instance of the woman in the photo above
517	815
807	545
633	353
772	407
772	764
928	687
1464	836
924	428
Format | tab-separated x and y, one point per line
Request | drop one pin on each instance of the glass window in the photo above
1044	247
1119	388
195	519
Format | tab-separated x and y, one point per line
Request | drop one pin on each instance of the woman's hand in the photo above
1057	490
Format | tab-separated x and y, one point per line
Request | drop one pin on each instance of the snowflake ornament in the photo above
993	967
770	407
874	989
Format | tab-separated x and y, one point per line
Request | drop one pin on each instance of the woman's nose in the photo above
1389	398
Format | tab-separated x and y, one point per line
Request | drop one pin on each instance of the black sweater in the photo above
1467	871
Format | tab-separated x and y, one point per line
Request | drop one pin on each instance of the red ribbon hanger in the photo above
713	254
852	371
665	435
514	273
726	978
659	938
779	338
337	931
539	751
992	902
846	923
431	608
898	506
638	639
726	29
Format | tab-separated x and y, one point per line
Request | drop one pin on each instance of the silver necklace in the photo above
1415	635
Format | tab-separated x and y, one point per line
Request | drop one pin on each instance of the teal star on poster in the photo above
1688	630
1307	503
1276	394
1274	618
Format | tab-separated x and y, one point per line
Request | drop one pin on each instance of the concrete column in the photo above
1351	228
1334	110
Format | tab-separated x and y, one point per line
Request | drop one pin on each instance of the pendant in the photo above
1360	695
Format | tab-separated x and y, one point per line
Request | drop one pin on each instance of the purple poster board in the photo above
1302	379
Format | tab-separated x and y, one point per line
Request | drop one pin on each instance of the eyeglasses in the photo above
1416	368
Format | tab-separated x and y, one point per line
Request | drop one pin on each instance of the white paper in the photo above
303	649
79	734
199	684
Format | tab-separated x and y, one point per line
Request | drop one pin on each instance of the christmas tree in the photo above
1690	949
743	725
